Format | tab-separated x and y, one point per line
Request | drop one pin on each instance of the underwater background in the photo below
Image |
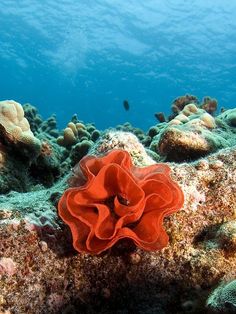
87	57
137	213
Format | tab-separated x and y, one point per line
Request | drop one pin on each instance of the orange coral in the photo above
119	201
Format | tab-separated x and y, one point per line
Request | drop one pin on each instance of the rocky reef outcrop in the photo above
40	272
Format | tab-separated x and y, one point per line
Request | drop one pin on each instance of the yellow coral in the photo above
208	120
190	109
72	126
69	135
193	115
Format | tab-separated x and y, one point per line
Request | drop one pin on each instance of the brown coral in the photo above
191	114
209	104
180	102
46	149
175	144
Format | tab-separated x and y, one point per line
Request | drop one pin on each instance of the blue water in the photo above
88	56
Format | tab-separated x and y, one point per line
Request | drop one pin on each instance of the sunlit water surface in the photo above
86	57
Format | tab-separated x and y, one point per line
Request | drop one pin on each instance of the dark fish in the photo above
160	117
126	105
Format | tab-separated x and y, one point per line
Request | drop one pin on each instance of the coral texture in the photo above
119	201
27	159
180	102
40	272
15	126
223	298
176	279
122	140
193	133
69	135
75	132
77	138
37	125
208	104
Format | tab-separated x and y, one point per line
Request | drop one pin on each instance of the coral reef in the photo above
113	139
228	117
160	117
127	127
208	104
26	159
179	104
41	272
37	124
48	269
193	134
78	138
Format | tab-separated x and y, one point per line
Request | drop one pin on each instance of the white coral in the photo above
15	126
126	141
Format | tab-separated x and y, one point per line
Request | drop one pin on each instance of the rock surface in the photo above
40	272
53	278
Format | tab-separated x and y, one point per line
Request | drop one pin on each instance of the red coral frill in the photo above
119	201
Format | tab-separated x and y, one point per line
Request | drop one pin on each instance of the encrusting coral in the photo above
113	139
119	201
195	116
223	298
18	147
180	102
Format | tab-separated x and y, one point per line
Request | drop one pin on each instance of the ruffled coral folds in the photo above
119	200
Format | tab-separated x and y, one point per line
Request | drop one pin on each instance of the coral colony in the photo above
118	220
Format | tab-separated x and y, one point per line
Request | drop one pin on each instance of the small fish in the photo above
126	105
160	117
